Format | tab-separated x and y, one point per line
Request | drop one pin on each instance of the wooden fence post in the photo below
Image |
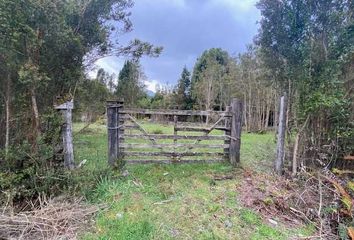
236	128
279	161
67	133
113	131
227	132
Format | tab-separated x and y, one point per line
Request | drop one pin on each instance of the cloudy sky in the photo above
185	28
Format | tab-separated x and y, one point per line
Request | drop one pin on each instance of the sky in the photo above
185	28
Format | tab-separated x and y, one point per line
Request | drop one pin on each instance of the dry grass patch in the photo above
52	219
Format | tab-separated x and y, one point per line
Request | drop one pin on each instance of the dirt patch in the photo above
269	195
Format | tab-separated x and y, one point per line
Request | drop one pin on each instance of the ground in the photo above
199	201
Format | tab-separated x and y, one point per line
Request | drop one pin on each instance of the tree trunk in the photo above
7	121
249	109
279	162
35	114
296	147
295	153
245	113
266	122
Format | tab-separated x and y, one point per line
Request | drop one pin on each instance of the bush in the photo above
25	175
31	169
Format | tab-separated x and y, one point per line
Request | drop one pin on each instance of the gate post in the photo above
113	131
67	133
236	128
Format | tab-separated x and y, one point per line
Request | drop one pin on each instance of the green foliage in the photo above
182	97
144	102
250	217
305	45
27	171
88	108
45	46
208	82
25	175
130	87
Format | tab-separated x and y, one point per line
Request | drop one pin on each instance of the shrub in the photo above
31	169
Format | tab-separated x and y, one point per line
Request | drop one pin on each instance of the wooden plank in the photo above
115	103
179	137
206	133
173	145
172	154
142	129
129	127
227	132
124	116
65	106
175	121
198	129
170	161
236	127
175	129
175	112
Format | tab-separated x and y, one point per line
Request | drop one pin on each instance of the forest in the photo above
303	50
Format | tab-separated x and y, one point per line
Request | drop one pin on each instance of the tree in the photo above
106	79
304	45
206	87
182	96
45	45
130	87
45	48
87	109
217	60
253	87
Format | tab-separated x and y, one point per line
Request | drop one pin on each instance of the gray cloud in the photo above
185	28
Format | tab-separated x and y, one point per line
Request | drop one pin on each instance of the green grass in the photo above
173	201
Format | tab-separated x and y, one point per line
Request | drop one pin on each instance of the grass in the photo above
173	201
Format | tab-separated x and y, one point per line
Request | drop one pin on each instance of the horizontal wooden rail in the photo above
173	154
129	127
199	129
175	112
172	145
179	137
169	161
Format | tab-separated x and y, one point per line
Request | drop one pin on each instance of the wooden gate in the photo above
185	142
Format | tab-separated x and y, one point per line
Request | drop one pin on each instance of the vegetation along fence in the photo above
179	140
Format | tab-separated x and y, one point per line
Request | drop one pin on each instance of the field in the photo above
175	201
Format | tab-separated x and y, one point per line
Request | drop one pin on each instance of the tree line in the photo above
216	78
304	49
46	47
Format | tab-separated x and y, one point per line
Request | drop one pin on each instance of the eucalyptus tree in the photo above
217	61
305	46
